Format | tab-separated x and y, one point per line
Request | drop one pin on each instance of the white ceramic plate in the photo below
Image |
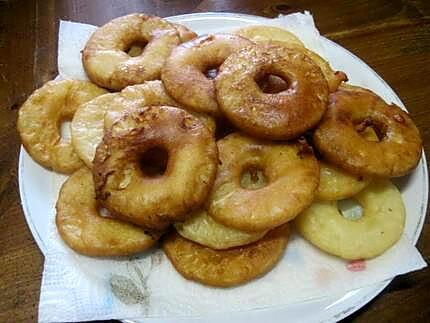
39	188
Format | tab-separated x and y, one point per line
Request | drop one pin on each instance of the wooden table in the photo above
393	37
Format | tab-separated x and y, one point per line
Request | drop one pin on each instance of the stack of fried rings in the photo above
157	156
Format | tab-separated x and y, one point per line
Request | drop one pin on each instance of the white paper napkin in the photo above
72	37
78	288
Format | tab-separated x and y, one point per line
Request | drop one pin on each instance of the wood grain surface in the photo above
392	36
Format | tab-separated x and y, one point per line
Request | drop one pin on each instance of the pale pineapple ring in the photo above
83	229
270	34
224	268
152	93
203	229
91	118
87	125
40	118
261	34
334	78
105	56
377	230
337	184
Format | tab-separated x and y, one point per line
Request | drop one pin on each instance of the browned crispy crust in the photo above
183	74
338	139
275	35
81	226
279	116
224	268
154	202
106	62
292	174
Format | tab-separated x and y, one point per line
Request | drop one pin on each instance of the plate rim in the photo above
377	288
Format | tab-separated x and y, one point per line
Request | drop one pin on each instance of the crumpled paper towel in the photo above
78	288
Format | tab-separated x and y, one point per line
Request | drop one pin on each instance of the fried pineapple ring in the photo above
201	228
260	184
275	35
105	57
130	194
277	116
151	93
377	230
91	118
224	268
337	184
83	229
40	118
334	78
183	74
263	34
87	125
338	135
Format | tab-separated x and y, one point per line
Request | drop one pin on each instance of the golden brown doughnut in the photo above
260	184
275	35
125	188
338	139
92	117
105	56
183	74
334	78
277	116
40	118
224	268
83	229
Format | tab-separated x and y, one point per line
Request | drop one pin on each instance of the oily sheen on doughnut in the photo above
91	118
275	35
261	184
377	230
277	116
83	229
339	141
105	56
40	118
224	268
184	72
203	229
130	194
